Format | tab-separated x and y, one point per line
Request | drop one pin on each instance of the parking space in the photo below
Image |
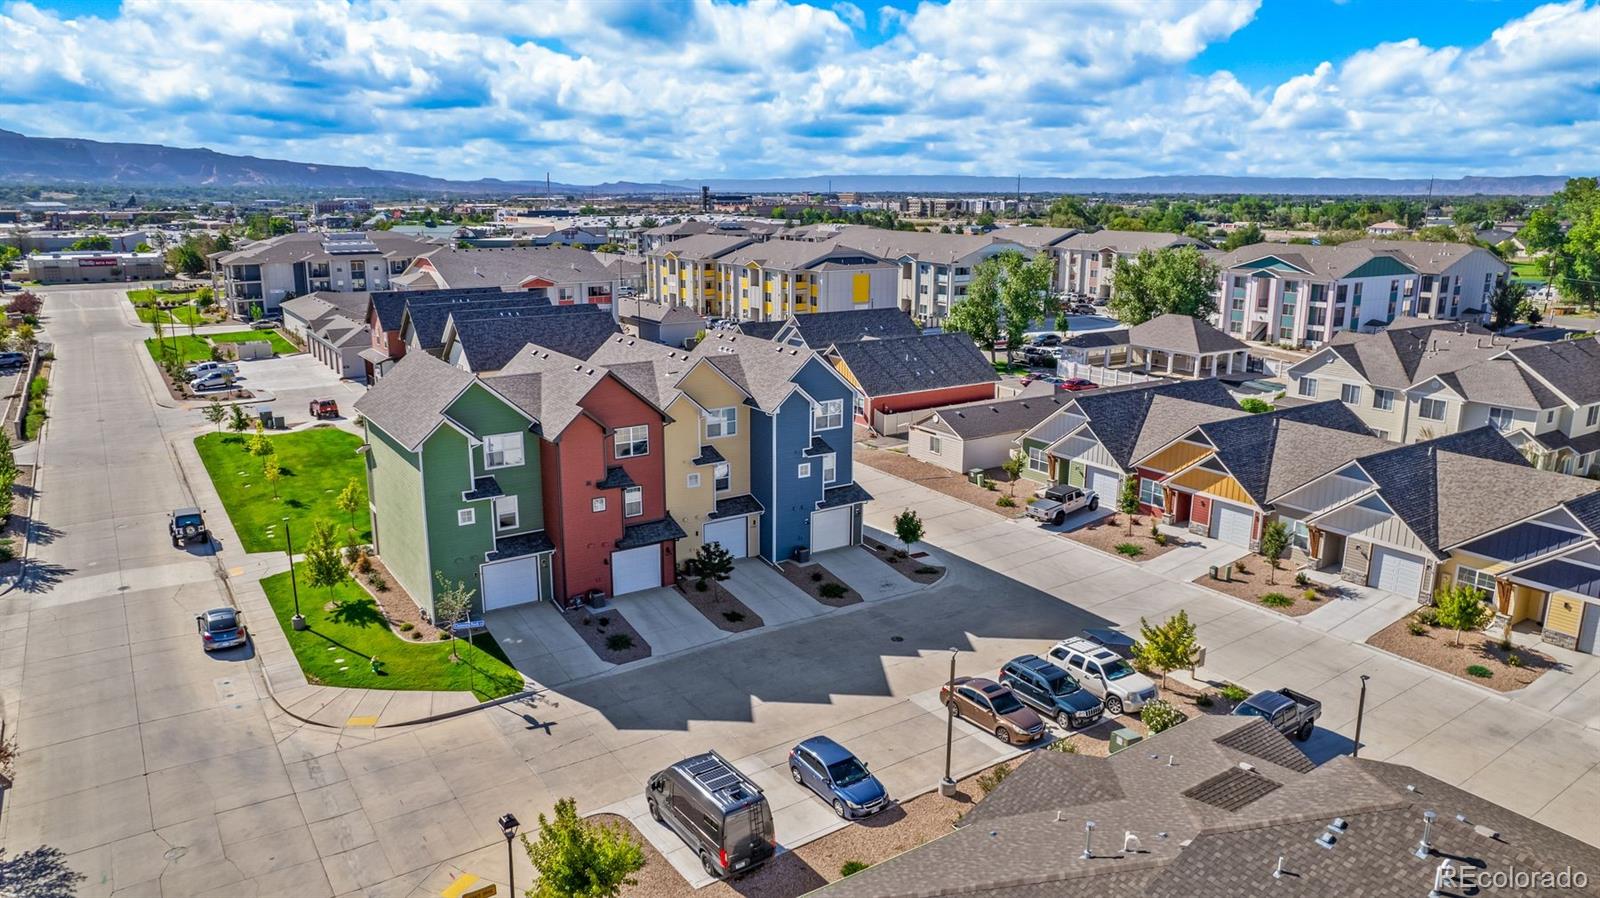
289	383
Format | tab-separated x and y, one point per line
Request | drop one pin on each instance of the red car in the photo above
324	408
1077	385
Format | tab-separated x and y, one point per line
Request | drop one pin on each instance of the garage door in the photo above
830	529
1103	483
514	582
1231	524
1395	571
731	534
635	569
1589	627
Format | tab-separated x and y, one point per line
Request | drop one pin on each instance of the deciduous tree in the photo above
1159	282
1167	646
1128	499
451	605
580	858
1274	542
1461	607
908	528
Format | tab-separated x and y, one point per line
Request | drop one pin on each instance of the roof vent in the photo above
1424	847
1327	840
1339	824
1247	767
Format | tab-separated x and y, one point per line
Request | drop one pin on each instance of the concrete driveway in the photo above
294	380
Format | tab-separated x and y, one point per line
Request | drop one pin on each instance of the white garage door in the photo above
1231	524
1395	571
731	534
514	582
830	529
635	569
1103	483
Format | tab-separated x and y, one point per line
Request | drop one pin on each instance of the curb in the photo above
23	557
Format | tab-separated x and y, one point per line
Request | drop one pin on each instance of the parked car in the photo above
1292	713
1081	308
993	707
1051	691
212	380
221	628
1105	674
1039	356
1045	340
200	368
324	408
187	526
264	324
1077	385
12	360
838	777
717	811
1056	502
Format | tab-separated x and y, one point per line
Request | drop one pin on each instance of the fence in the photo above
1105	377
896	423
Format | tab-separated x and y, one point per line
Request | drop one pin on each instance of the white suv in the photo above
1104	673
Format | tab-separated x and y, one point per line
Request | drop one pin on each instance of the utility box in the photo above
1123	738
975	475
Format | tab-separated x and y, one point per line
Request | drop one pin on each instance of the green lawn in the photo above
316	464
182	315
337	648
189	349
279	344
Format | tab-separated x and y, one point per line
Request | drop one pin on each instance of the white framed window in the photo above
1308	386
1431	409
1592	417
935	445
693	480
828	415
1380	434
1038	461
505	512
633	442
1350	394
1502	419
830	468
633	501
803	470
722	422
598	503
1479	580
1150	493
502	450
466	517
723	475
1382	399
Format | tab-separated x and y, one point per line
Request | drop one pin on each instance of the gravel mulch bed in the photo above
598	626
801	575
945	481
716	604
396	604
877	838
917	570
1109	532
1436	648
1252	584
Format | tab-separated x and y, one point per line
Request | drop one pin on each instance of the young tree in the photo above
451	605
272	470
578	858
323	565
1506	302
215	412
1274	542
1128	499
712	562
1461	607
908	528
238	422
979	313
1167	646
258	443
1013	466
1255	406
349	501
1176	281
8	461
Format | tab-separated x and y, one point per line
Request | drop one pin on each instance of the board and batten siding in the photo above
394	485
453	550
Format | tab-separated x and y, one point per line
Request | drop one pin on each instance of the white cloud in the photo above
644	90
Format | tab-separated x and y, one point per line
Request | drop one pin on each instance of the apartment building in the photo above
769	281
1089	260
1044	240
1294	294
265	273
684	271
935	269
566	275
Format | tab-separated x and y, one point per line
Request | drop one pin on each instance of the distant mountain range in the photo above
69	161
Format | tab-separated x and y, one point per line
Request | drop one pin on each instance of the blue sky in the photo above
596	90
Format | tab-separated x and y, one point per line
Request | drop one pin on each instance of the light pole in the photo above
947	786
299	620
1361	707
508	825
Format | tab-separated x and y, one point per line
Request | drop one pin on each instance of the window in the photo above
693	480
466	517
830	468
1308	386
1550	417
1431	409
722	422
935	445
1382	399
1501	419
803	470
505	512
1350	394
633	501
598	503
502	450
1380	434
1479	580
1150	493
722	474
1038	461
828	414
1593	416
633	442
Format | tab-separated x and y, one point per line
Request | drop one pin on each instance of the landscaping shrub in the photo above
701	586
1309	595
1006	502
1416	627
1065	746
733	617
850	867
1161	539
1132	550
1505	643
989	780
407	626
619	642
7	552
831	590
1233	692
1276	600
1479	671
1204	700
1514	660
1155	530
1428	615
816	576
1159	715
1239	566
927	570
1301	580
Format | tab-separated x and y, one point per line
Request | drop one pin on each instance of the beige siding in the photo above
692	506
1367	525
1087	450
1323	493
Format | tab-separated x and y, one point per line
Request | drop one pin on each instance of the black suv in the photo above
187	527
1052	691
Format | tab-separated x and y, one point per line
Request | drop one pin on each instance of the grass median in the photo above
315	466
279	344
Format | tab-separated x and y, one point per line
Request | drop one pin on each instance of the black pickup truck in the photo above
1293	713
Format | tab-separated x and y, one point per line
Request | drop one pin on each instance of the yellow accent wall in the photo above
692	507
844	371
1566	613
860	288
1199	480
1175	457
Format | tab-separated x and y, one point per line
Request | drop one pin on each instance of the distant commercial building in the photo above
267	272
93	267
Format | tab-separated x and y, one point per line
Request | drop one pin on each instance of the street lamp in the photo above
299	620
508	825
1361	707
947	786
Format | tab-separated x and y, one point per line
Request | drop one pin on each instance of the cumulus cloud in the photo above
649	90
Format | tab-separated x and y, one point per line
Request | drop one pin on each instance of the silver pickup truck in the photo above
1056	502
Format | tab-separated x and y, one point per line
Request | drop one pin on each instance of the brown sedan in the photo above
994	707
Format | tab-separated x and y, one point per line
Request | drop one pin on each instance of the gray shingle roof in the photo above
1571	366
762	330
734	506
1182	334
794	255
511	266
1501	382
844	494
764	370
915	364
1035	238
649	533
820	330
409	401
977	420
1408	352
391	304
1425	256
1273	453
577	331
520	544
547	386
428	321
305	246
1133	423
943	249
701	247
1128	241
314	306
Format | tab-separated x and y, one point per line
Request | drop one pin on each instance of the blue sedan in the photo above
838	777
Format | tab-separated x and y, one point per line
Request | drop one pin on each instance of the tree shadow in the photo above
357	613
43	534
41	577
294	503
38	873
